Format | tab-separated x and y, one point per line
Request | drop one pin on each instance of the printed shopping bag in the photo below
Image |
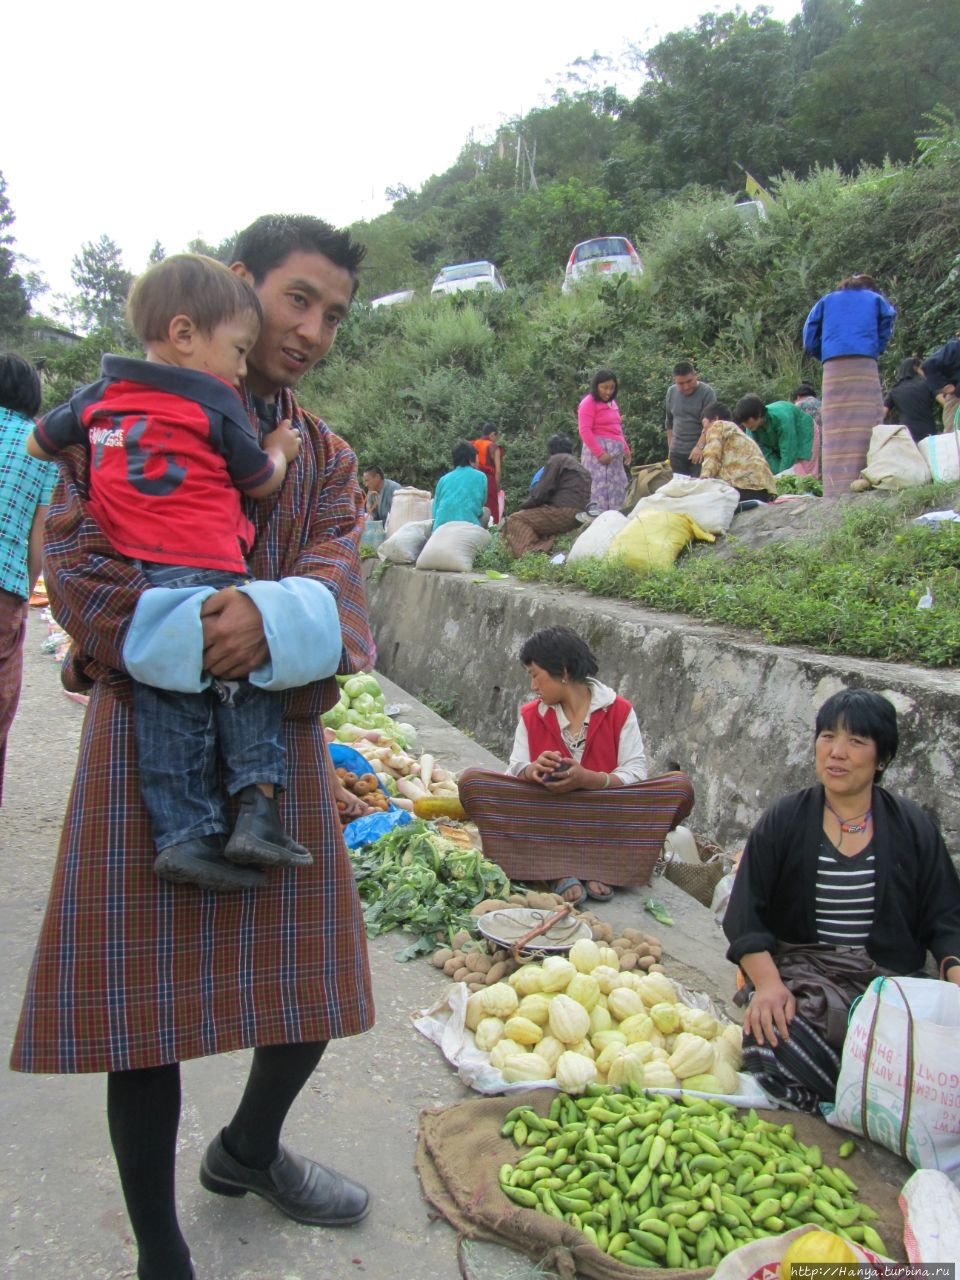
899	1079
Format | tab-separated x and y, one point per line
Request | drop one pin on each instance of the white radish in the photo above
411	788
425	768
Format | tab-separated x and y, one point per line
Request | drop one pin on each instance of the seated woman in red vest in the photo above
574	807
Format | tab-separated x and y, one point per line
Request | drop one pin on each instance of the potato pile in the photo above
366	788
480	963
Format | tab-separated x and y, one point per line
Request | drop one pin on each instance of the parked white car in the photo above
464	276
603	256
392	299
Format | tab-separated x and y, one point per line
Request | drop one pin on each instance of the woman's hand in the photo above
562	774
768	1015
605	458
568	776
545	764
348	805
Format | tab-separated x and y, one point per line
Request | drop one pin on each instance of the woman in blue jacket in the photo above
848	330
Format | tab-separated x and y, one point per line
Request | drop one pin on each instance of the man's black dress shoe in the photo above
302	1189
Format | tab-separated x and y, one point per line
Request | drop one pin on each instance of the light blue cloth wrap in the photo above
164	645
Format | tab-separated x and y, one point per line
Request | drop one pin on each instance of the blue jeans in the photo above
187	742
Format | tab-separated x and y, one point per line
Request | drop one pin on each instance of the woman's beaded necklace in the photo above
850	826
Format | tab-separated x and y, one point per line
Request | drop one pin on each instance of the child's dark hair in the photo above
19	386
560	652
463	454
188	284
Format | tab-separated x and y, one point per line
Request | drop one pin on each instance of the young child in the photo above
172	450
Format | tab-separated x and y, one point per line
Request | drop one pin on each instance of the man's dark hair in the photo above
463	454
865	714
748	407
804	389
489	429
604	375
682	368
559	444
374	470
717	411
908	369
269	242
560	652
19	386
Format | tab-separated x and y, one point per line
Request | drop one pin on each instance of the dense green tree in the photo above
866	95
102	283
571	139
818	27
157	254
14	303
545	225
719	96
389	264
223	252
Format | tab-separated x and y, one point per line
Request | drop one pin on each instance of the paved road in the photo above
64	1214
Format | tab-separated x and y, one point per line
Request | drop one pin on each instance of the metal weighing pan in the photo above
531	931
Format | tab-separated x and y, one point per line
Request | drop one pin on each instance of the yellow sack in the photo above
654	539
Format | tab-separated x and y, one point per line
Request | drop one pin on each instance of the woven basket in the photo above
699	881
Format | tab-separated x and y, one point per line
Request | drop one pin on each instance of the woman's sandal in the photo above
568	882
597	897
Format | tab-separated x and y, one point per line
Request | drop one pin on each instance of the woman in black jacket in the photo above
839	883
911	401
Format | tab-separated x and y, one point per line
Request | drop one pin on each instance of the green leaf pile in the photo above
413	878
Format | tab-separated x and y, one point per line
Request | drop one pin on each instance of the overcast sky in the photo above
147	121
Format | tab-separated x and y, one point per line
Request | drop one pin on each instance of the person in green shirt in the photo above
783	432
461	493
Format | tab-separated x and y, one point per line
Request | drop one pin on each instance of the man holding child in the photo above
134	974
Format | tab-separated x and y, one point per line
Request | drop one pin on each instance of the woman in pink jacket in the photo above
605	449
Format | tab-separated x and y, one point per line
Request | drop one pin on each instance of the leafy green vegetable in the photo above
414	879
658	911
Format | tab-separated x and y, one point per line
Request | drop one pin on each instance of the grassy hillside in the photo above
404	383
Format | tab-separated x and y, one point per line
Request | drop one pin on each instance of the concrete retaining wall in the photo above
737	715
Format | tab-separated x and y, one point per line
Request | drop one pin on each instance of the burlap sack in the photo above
460	1151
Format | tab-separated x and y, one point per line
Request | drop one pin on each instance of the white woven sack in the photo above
898	1071
942	454
930	1204
452	547
594	542
709	503
893	460
405	545
407	505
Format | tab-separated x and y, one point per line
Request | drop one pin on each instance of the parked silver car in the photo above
603	256
464	276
